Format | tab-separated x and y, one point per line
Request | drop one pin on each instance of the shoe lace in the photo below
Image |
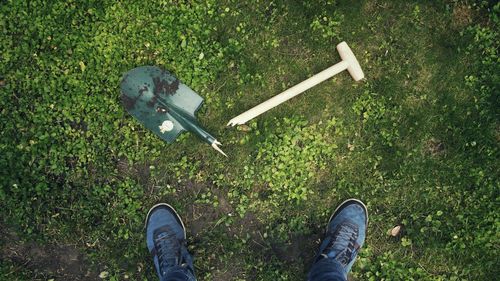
168	250
343	242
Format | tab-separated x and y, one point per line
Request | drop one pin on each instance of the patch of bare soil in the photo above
198	217
139	171
462	15
434	147
231	273
371	7
59	262
299	248
201	218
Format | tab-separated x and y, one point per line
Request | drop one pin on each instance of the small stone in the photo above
395	231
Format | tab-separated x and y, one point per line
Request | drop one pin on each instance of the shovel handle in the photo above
288	94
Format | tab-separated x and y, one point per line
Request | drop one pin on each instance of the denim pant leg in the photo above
179	273
327	269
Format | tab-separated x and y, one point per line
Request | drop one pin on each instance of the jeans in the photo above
323	270
327	269
179	273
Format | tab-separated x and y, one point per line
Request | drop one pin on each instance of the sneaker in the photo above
166	239
345	234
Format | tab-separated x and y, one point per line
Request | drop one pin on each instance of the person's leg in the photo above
166	241
345	234
178	274
327	270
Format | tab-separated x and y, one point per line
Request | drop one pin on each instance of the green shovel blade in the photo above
162	103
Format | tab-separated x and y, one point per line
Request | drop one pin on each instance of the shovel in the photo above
163	104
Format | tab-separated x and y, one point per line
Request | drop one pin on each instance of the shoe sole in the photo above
342	205
172	210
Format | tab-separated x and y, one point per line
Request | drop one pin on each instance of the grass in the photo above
417	141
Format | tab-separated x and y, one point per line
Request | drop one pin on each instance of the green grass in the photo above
417	141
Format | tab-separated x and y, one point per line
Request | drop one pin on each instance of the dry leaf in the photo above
350	147
244	128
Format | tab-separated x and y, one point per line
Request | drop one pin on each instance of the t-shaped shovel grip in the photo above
352	63
348	62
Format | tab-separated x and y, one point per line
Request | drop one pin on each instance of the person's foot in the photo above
165	237
345	234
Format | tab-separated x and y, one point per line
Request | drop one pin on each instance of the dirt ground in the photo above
45	262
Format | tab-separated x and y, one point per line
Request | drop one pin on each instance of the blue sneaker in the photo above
345	234
166	240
